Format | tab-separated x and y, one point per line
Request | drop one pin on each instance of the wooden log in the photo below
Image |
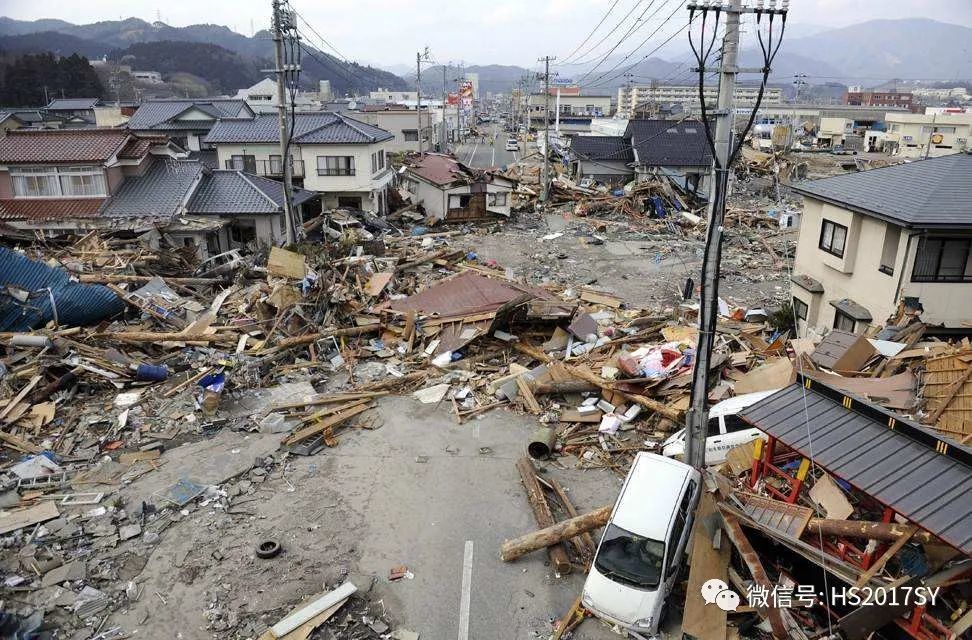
756	570
568	386
542	512
883	531
298	341
887	555
647	403
586	539
564	530
163	336
107	278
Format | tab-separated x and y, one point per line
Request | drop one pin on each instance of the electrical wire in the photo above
602	78
594	30
638	24
603	38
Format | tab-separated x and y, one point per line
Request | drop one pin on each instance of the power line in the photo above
639	23
606	35
594	30
602	80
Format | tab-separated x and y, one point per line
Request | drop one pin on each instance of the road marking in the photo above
492	159
471	155
467	558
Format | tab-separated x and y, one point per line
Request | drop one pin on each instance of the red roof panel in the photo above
50	209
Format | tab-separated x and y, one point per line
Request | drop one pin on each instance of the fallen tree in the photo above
513	549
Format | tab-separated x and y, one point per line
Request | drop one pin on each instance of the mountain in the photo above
116	37
880	49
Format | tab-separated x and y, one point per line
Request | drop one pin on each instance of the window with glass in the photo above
889	252
630	559
276	164
942	260
800	308
58	182
844	322
833	238
497	199
243	162
411	135
335	165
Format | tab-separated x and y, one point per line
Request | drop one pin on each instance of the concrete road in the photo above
483	155
414	489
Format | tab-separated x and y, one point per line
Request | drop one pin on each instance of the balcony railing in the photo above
270	168
335	171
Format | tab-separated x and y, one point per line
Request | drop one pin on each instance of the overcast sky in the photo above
386	33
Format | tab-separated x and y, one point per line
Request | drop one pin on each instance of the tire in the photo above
268	549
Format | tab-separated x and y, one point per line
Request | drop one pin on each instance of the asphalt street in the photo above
483	155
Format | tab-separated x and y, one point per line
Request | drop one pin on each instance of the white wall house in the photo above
450	191
872	240
343	159
921	135
404	125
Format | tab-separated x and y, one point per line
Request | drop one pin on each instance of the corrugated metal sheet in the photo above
76	304
922	476
466	294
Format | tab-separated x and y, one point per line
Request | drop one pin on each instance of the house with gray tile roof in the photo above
186	121
874	242
343	159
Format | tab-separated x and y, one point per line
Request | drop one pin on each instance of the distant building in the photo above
630	99
920	135
880	99
151	77
403	124
570	106
73	112
262	98
387	95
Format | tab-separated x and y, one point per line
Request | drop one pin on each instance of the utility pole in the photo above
697	416
443	133
420	57
280	21
459	80
545	191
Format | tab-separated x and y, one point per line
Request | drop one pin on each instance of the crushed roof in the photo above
62	145
915	471
309	128
669	143
926	193
158	114
237	192
158	192
438	168
606	148
49	209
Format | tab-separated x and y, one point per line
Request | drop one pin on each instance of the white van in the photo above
644	543
512	144
725	429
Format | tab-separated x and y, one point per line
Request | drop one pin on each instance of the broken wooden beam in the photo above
564	530
298	341
542	512
107	278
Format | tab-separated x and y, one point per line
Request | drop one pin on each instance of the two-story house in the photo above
403	124
186	122
339	157
57	176
928	135
75	180
872	240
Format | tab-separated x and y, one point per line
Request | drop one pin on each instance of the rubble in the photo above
285	352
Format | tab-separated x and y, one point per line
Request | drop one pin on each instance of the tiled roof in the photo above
609	148
158	192
72	104
52	209
157	114
667	143
927	193
137	147
61	145
234	192
309	128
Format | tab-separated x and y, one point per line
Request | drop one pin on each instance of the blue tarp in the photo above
75	304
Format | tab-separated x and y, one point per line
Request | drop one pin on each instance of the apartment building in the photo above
880	99
630	98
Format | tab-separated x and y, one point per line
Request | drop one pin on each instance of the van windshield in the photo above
630	559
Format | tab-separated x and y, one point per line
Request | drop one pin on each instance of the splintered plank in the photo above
328	423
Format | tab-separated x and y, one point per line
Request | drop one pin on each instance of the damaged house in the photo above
74	181
677	150
449	190
872	240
